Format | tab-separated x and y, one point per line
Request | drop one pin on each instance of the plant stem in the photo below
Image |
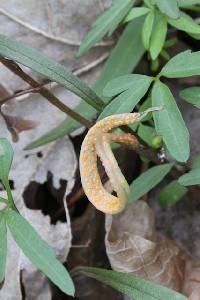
13	67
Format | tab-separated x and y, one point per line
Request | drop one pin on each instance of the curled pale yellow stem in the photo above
96	143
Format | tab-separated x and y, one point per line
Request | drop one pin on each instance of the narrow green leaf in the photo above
135	13
38	251
191	95
158	37
185	23
147	181
191	178
169	8
147	29
122	61
184	64
132	88
6	157
185	3
3	246
106	23
169	122
171	194
133	286
46	66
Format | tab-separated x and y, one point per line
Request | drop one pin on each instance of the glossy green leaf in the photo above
133	286
122	61
6	157
135	13
147	29
131	88
171	194
185	23
169	8
184	64
147	181
169	122
191	178
185	3
191	95
3	246
158	37
106	23
38	251
48	67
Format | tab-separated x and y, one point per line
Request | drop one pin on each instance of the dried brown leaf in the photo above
134	247
191	287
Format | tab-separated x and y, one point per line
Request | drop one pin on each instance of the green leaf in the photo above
169	8
122	61
184	64
148	180
191	95
169	122
133	286
48	67
147	29
171	194
3	246
158	37
185	3
131	88
6	157
191	178
106	23
185	23
135	13
146	133
38	251
195	36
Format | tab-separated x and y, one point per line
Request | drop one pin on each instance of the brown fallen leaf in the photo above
133	246
191	286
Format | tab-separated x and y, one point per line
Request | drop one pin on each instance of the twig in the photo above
21	93
12	66
50	36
